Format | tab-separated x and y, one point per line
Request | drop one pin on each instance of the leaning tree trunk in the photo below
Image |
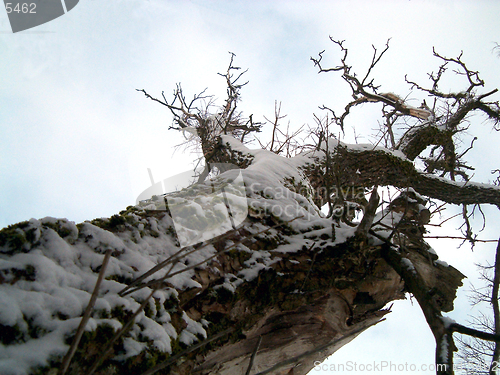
243	274
198	282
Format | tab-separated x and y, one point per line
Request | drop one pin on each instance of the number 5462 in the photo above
21	8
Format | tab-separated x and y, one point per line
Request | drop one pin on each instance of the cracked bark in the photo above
381	167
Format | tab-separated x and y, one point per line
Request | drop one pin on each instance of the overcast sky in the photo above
76	139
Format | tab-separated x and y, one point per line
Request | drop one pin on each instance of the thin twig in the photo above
174	258
109	346
460	238
495	306
153	283
310	268
252	358
85	318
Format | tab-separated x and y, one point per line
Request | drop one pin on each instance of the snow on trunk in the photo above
230	267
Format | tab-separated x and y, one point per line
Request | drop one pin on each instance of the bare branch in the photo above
254	353
86	316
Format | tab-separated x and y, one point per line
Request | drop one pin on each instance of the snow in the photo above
405	262
10	312
209	210
231	282
249	274
444	349
441	262
432	251
333	143
17	359
155	331
447	321
56	276
132	348
464	184
194	328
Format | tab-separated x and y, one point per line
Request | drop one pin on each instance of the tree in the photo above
241	272
480	356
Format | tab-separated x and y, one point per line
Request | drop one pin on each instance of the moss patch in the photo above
14	237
